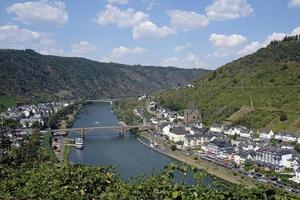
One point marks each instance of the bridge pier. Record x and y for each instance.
(82, 134)
(122, 132)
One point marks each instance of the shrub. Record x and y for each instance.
(283, 116)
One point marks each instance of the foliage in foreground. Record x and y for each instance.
(48, 181)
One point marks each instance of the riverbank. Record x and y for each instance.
(65, 120)
(211, 168)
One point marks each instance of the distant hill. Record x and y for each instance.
(25, 73)
(256, 90)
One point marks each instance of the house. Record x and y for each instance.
(273, 158)
(191, 141)
(244, 132)
(217, 128)
(27, 123)
(296, 178)
(285, 137)
(152, 106)
(243, 156)
(139, 112)
(266, 134)
(191, 115)
(218, 148)
(229, 131)
(177, 133)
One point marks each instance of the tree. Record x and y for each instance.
(37, 125)
(297, 147)
(283, 116)
(173, 147)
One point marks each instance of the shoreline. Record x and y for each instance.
(211, 168)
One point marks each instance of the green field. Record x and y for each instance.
(6, 102)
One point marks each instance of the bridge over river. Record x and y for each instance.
(120, 129)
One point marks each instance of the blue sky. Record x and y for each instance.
(188, 34)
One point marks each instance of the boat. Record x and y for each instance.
(79, 143)
(96, 122)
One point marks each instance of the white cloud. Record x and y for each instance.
(253, 46)
(274, 36)
(39, 11)
(182, 47)
(249, 48)
(190, 61)
(227, 41)
(186, 21)
(148, 30)
(221, 10)
(11, 36)
(294, 3)
(118, 1)
(296, 31)
(82, 48)
(122, 18)
(121, 52)
(218, 54)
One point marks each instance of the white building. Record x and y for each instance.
(285, 137)
(296, 178)
(266, 134)
(274, 158)
(217, 128)
(177, 134)
(230, 131)
(244, 132)
(27, 123)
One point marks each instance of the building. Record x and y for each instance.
(266, 134)
(285, 137)
(296, 178)
(175, 133)
(218, 148)
(217, 128)
(28, 122)
(244, 132)
(273, 158)
(243, 156)
(192, 115)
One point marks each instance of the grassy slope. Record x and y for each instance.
(6, 102)
(268, 79)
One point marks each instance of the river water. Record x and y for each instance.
(128, 156)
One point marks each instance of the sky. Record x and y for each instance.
(181, 33)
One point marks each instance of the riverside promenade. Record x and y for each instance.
(211, 168)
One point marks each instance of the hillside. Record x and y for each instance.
(254, 90)
(35, 76)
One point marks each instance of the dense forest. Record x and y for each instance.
(35, 76)
(256, 90)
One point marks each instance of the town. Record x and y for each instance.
(267, 156)
(263, 155)
(19, 122)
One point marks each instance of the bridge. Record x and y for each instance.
(120, 128)
(101, 100)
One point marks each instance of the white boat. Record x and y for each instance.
(79, 143)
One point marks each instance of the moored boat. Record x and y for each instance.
(79, 143)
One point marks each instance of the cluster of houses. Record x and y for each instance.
(234, 146)
(29, 116)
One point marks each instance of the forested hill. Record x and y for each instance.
(264, 87)
(29, 74)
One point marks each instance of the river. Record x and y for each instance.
(128, 156)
